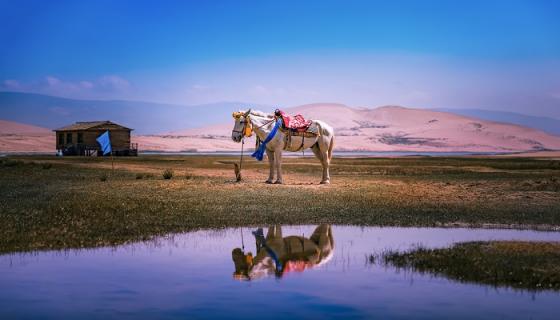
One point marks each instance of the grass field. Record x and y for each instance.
(49, 203)
(517, 264)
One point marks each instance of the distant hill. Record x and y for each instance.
(549, 125)
(389, 128)
(162, 127)
(18, 137)
(144, 117)
(157, 118)
(10, 127)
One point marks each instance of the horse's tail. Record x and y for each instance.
(331, 146)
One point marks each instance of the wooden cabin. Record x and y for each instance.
(79, 139)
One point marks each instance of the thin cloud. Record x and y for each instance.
(108, 86)
(86, 84)
(422, 81)
(11, 84)
(200, 87)
(113, 82)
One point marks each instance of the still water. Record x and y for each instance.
(193, 275)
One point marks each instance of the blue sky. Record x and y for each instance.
(502, 55)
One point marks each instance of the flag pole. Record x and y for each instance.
(112, 160)
(104, 141)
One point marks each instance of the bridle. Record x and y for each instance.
(247, 128)
(246, 131)
(245, 121)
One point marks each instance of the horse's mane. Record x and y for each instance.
(259, 113)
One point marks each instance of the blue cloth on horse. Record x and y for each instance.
(259, 153)
(259, 237)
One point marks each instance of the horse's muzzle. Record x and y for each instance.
(236, 137)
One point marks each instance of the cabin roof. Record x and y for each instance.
(87, 125)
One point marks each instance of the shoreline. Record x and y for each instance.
(339, 154)
(163, 236)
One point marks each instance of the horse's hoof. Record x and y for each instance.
(268, 182)
(326, 182)
(278, 182)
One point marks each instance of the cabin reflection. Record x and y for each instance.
(278, 255)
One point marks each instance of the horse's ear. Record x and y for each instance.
(248, 112)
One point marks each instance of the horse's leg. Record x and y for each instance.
(322, 236)
(270, 155)
(319, 155)
(324, 151)
(316, 151)
(278, 164)
(274, 232)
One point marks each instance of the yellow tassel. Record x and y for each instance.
(237, 114)
(249, 259)
(249, 129)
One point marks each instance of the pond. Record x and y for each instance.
(193, 275)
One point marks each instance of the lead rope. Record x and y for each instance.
(241, 159)
(242, 242)
(243, 144)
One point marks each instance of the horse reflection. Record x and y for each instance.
(278, 255)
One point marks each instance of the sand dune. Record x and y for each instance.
(10, 127)
(18, 137)
(388, 128)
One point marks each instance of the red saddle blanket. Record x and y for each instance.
(296, 122)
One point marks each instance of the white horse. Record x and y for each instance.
(262, 124)
(277, 255)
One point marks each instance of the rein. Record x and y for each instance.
(269, 121)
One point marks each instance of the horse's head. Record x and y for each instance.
(242, 127)
(242, 262)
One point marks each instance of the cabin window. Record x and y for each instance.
(61, 138)
(80, 137)
(69, 137)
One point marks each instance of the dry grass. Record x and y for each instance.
(70, 206)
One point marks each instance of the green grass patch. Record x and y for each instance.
(517, 264)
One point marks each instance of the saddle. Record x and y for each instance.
(296, 123)
(296, 126)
